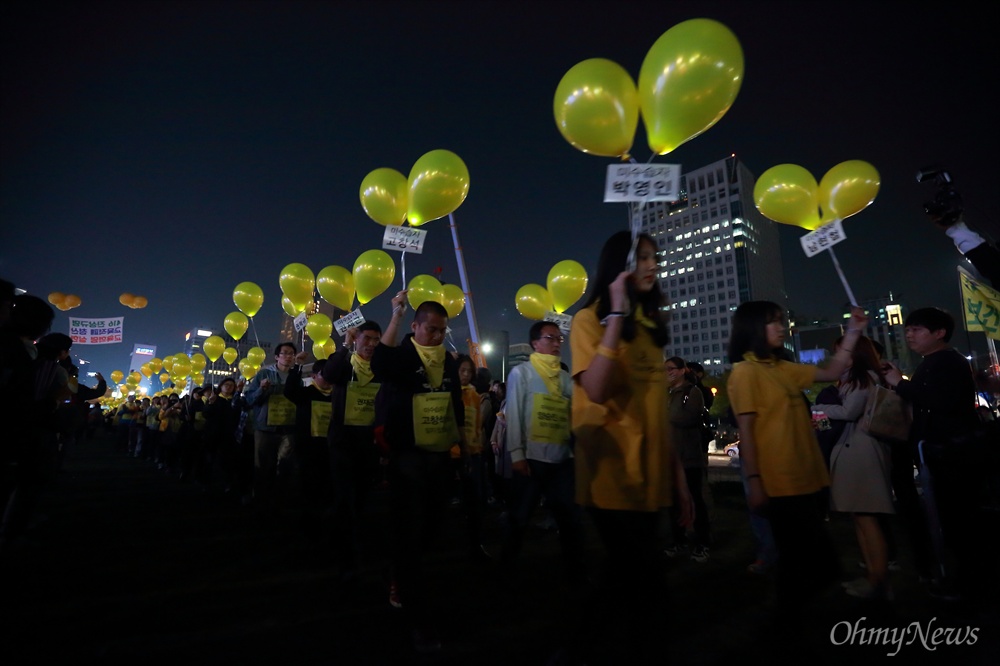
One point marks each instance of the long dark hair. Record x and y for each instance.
(750, 330)
(614, 256)
(864, 359)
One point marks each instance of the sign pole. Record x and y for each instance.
(469, 309)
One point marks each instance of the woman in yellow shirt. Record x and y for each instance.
(781, 459)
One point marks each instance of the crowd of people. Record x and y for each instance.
(615, 440)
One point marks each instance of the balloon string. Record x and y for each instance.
(451, 341)
(843, 280)
(402, 264)
(254, 327)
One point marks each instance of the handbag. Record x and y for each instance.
(887, 416)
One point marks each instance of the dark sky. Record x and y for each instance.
(175, 149)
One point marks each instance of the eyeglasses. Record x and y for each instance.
(560, 338)
(286, 353)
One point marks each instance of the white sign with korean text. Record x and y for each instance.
(642, 182)
(349, 320)
(562, 320)
(300, 321)
(823, 238)
(404, 239)
(96, 331)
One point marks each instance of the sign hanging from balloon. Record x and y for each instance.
(789, 194)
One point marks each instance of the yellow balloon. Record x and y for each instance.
(847, 189)
(135, 376)
(214, 347)
(291, 309)
(688, 80)
(336, 285)
(453, 299)
(139, 302)
(256, 356)
(323, 350)
(198, 378)
(168, 363)
(384, 195)
(247, 369)
(156, 364)
(198, 362)
(566, 283)
(164, 378)
(146, 370)
(297, 282)
(248, 297)
(423, 288)
(597, 108)
(787, 193)
(319, 327)
(71, 301)
(56, 298)
(236, 324)
(374, 271)
(126, 299)
(230, 355)
(116, 376)
(533, 301)
(181, 366)
(438, 184)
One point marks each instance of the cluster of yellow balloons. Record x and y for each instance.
(133, 301)
(688, 80)
(565, 285)
(428, 288)
(437, 185)
(64, 301)
(789, 194)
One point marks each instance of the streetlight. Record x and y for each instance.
(487, 347)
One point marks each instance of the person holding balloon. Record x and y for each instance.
(626, 469)
(274, 428)
(351, 439)
(421, 410)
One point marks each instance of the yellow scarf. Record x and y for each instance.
(549, 368)
(433, 360)
(640, 316)
(362, 369)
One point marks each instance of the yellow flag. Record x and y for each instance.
(981, 305)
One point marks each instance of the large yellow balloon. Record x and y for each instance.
(297, 282)
(198, 378)
(168, 363)
(787, 193)
(139, 302)
(214, 346)
(230, 355)
(71, 301)
(156, 364)
(116, 376)
(438, 184)
(56, 298)
(135, 377)
(198, 362)
(847, 189)
(374, 271)
(533, 301)
(146, 370)
(688, 80)
(164, 377)
(248, 297)
(256, 356)
(384, 195)
(336, 285)
(566, 283)
(247, 369)
(323, 350)
(181, 366)
(126, 299)
(453, 299)
(319, 327)
(597, 108)
(423, 288)
(236, 324)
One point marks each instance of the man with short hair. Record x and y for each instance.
(274, 427)
(942, 393)
(422, 412)
(539, 443)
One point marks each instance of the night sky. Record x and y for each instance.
(175, 149)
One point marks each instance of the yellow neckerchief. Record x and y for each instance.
(640, 316)
(326, 391)
(548, 367)
(433, 360)
(362, 369)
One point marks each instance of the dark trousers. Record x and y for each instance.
(807, 557)
(696, 484)
(419, 483)
(909, 508)
(353, 468)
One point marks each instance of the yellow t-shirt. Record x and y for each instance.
(788, 456)
(624, 456)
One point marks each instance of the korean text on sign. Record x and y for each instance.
(103, 331)
(642, 182)
(823, 238)
(350, 320)
(404, 239)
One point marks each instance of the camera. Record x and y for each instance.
(946, 206)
